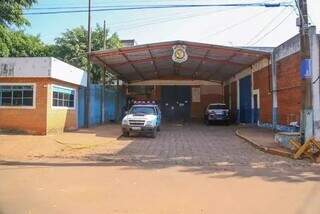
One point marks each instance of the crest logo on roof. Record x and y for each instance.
(179, 53)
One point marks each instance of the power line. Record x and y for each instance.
(63, 7)
(173, 15)
(145, 7)
(235, 24)
(170, 19)
(280, 23)
(265, 27)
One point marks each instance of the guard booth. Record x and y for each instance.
(184, 77)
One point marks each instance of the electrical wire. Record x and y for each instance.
(266, 26)
(170, 19)
(273, 29)
(127, 8)
(229, 27)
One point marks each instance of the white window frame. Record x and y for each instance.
(255, 92)
(64, 107)
(34, 86)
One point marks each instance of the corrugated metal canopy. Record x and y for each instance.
(154, 61)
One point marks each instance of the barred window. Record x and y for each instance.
(63, 97)
(16, 95)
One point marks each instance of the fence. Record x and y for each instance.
(112, 108)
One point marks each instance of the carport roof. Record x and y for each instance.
(154, 61)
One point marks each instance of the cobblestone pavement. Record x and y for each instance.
(186, 169)
(200, 148)
(197, 144)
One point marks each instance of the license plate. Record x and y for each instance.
(136, 128)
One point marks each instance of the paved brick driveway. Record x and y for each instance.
(195, 144)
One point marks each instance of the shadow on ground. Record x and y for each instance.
(214, 151)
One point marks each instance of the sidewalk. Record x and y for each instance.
(75, 144)
(262, 139)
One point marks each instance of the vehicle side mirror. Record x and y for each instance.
(126, 112)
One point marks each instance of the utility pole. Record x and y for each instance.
(87, 100)
(103, 76)
(306, 74)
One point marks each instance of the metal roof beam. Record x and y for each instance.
(166, 46)
(154, 63)
(110, 68)
(133, 66)
(200, 64)
(160, 58)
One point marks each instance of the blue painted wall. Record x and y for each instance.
(81, 106)
(95, 105)
(245, 100)
(110, 105)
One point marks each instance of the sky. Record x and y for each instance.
(231, 26)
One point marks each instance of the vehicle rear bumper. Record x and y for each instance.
(213, 117)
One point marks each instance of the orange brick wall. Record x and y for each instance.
(262, 81)
(289, 89)
(22, 119)
(42, 119)
(226, 95)
(197, 109)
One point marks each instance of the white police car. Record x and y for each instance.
(142, 118)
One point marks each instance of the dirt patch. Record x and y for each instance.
(67, 145)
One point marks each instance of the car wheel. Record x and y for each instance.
(154, 133)
(125, 134)
(206, 121)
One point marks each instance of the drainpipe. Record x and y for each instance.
(274, 90)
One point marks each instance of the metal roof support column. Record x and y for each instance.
(117, 101)
(104, 71)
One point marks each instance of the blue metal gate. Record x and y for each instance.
(81, 106)
(245, 100)
(110, 105)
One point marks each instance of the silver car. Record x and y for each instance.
(217, 112)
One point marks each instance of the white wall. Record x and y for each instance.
(27, 66)
(42, 67)
(68, 73)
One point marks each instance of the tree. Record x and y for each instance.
(71, 47)
(15, 43)
(18, 43)
(11, 12)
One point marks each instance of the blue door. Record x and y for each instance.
(245, 100)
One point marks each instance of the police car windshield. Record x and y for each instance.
(142, 110)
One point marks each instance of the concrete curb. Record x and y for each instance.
(270, 150)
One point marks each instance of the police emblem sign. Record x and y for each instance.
(179, 53)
